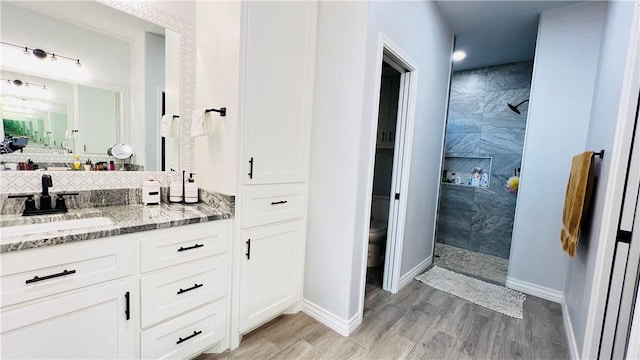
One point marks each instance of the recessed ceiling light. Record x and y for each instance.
(459, 55)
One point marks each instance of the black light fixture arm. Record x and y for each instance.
(522, 102)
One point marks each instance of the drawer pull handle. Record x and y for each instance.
(251, 168)
(127, 310)
(195, 333)
(190, 247)
(37, 278)
(195, 286)
(278, 202)
(248, 242)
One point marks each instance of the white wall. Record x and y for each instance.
(596, 241)
(217, 85)
(343, 141)
(335, 147)
(420, 31)
(562, 87)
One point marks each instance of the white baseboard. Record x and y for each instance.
(341, 326)
(417, 270)
(535, 290)
(568, 330)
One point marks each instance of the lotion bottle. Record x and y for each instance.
(76, 162)
(191, 190)
(175, 190)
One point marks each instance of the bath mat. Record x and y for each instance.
(494, 297)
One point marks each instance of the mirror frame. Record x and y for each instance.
(186, 28)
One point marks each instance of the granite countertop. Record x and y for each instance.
(126, 219)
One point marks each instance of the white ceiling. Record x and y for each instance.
(495, 32)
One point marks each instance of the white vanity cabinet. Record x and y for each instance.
(184, 287)
(68, 301)
(276, 101)
(152, 294)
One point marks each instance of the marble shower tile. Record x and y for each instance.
(503, 121)
(462, 143)
(464, 123)
(455, 198)
(504, 164)
(472, 103)
(496, 101)
(491, 234)
(509, 77)
(490, 204)
(465, 82)
(501, 142)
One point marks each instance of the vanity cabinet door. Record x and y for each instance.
(278, 90)
(270, 273)
(86, 325)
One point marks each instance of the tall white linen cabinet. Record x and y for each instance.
(276, 96)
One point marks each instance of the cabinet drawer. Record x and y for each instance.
(33, 274)
(186, 335)
(265, 204)
(182, 244)
(180, 289)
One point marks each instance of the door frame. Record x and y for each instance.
(387, 49)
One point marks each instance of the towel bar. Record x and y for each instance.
(222, 111)
(599, 154)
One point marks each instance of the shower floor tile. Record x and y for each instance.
(472, 263)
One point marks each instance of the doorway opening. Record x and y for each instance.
(388, 202)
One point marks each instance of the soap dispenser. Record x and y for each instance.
(175, 190)
(191, 190)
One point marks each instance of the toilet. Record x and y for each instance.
(378, 230)
(377, 239)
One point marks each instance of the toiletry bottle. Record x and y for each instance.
(191, 190)
(470, 180)
(484, 179)
(175, 190)
(453, 177)
(76, 162)
(112, 166)
(458, 180)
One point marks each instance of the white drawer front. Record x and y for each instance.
(265, 204)
(186, 335)
(60, 268)
(180, 289)
(184, 243)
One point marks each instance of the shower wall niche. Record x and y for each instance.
(483, 130)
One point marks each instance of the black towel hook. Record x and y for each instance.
(599, 154)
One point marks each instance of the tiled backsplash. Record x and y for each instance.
(31, 181)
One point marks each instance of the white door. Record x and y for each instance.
(278, 90)
(96, 323)
(270, 272)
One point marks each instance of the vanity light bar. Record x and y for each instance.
(18, 82)
(41, 54)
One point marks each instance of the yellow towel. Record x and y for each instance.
(577, 200)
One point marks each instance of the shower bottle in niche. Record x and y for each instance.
(484, 179)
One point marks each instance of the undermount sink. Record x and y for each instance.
(55, 226)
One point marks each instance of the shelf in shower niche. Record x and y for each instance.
(463, 167)
(464, 185)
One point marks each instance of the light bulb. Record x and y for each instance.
(459, 55)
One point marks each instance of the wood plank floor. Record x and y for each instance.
(419, 322)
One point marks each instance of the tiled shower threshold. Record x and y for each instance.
(472, 263)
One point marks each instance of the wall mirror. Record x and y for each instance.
(83, 76)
